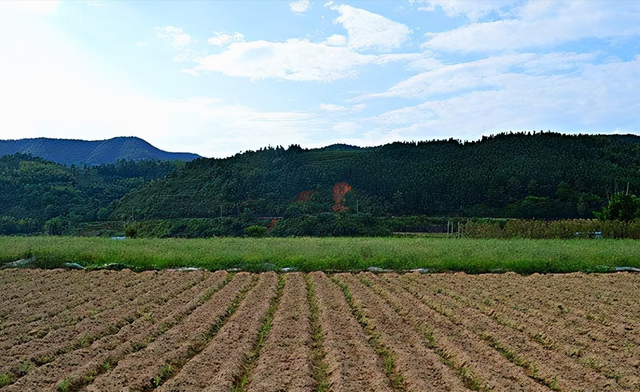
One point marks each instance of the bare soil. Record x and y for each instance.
(201, 331)
(285, 363)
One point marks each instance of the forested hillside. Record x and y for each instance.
(35, 192)
(94, 152)
(540, 175)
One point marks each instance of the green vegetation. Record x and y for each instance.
(7, 379)
(341, 254)
(561, 229)
(37, 195)
(621, 207)
(319, 225)
(165, 373)
(255, 231)
(334, 191)
(543, 176)
(365, 225)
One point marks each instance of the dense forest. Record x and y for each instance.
(336, 190)
(35, 193)
(525, 175)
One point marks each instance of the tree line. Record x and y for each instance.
(36, 194)
(542, 175)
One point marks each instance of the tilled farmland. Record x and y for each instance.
(202, 331)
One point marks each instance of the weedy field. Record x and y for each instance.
(218, 331)
(308, 254)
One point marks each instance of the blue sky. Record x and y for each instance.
(221, 77)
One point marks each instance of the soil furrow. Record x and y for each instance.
(286, 360)
(83, 333)
(134, 337)
(591, 346)
(49, 375)
(394, 375)
(57, 306)
(317, 337)
(547, 366)
(30, 282)
(138, 371)
(352, 364)
(241, 380)
(84, 308)
(66, 331)
(574, 298)
(216, 366)
(420, 366)
(52, 302)
(462, 345)
(465, 373)
(44, 343)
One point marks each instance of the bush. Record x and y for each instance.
(131, 231)
(56, 226)
(255, 231)
(622, 207)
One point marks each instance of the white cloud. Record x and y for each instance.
(426, 62)
(186, 55)
(590, 98)
(472, 10)
(457, 77)
(222, 39)
(295, 59)
(490, 73)
(180, 41)
(543, 23)
(300, 6)
(303, 60)
(338, 108)
(174, 36)
(367, 30)
(336, 40)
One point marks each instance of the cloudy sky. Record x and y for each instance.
(221, 77)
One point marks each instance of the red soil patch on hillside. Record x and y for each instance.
(340, 190)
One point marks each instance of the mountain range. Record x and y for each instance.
(91, 152)
(541, 175)
(511, 175)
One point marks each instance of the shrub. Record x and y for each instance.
(622, 206)
(255, 231)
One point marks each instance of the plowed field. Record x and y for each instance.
(201, 331)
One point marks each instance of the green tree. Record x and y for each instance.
(56, 226)
(255, 231)
(622, 206)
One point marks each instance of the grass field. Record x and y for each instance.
(329, 254)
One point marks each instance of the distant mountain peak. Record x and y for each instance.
(91, 152)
